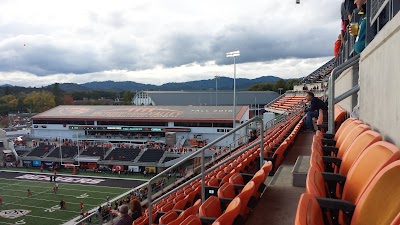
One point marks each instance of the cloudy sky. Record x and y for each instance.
(159, 41)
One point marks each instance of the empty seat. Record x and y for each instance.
(379, 203)
(231, 212)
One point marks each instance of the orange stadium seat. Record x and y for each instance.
(382, 192)
(168, 217)
(191, 220)
(231, 212)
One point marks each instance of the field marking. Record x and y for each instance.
(50, 218)
(61, 187)
(58, 194)
(26, 197)
(87, 185)
(71, 175)
(48, 200)
(38, 207)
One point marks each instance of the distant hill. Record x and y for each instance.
(224, 83)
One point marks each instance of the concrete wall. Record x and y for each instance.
(347, 80)
(380, 81)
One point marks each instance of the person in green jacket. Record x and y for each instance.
(359, 44)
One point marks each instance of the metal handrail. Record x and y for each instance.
(331, 91)
(149, 194)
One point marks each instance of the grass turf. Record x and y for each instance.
(44, 204)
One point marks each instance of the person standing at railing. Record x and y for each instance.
(336, 49)
(359, 29)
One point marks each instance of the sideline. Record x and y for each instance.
(70, 175)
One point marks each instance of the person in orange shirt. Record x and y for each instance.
(1, 200)
(29, 192)
(54, 190)
(81, 205)
(338, 44)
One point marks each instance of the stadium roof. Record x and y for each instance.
(143, 113)
(186, 98)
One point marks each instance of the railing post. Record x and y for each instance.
(331, 97)
(202, 178)
(261, 144)
(150, 209)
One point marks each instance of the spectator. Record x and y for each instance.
(313, 111)
(136, 209)
(123, 217)
(359, 45)
(338, 44)
(344, 17)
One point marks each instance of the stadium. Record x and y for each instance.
(265, 169)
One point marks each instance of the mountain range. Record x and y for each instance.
(223, 83)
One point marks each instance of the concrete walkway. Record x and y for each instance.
(278, 205)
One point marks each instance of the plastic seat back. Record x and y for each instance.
(231, 212)
(346, 131)
(236, 178)
(191, 220)
(359, 145)
(245, 196)
(349, 139)
(315, 183)
(213, 182)
(258, 178)
(211, 207)
(226, 178)
(167, 207)
(370, 162)
(226, 191)
(380, 202)
(168, 217)
(181, 204)
(308, 211)
(267, 167)
(396, 220)
(192, 210)
(317, 162)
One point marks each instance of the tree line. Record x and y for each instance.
(37, 100)
(275, 86)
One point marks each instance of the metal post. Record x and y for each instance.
(216, 90)
(149, 202)
(234, 101)
(331, 92)
(261, 144)
(203, 192)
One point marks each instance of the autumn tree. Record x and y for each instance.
(40, 101)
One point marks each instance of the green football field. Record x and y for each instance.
(44, 204)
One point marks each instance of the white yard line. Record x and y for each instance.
(49, 200)
(60, 187)
(49, 218)
(26, 197)
(38, 207)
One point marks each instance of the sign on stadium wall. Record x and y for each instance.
(13, 213)
(76, 180)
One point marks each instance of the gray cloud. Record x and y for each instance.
(132, 39)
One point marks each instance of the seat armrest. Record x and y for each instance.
(336, 204)
(207, 220)
(334, 177)
(247, 177)
(330, 142)
(329, 149)
(329, 136)
(330, 159)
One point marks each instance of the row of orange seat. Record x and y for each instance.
(353, 179)
(231, 192)
(287, 102)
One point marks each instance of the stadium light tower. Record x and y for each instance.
(234, 55)
(216, 89)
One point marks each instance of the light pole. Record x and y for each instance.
(234, 55)
(216, 89)
(280, 91)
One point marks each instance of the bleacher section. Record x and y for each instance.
(67, 152)
(321, 73)
(286, 103)
(362, 167)
(151, 155)
(233, 183)
(40, 150)
(166, 159)
(123, 154)
(94, 151)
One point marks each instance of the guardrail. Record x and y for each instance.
(203, 171)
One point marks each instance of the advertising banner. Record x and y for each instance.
(36, 163)
(134, 169)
